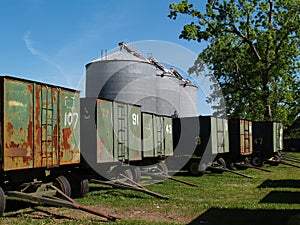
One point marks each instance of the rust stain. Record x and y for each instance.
(30, 88)
(15, 151)
(30, 134)
(101, 149)
(9, 128)
(55, 136)
(54, 96)
(66, 135)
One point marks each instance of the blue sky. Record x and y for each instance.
(52, 40)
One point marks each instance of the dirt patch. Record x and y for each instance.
(60, 215)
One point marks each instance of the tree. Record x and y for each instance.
(253, 52)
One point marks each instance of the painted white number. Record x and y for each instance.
(169, 129)
(71, 118)
(258, 141)
(135, 119)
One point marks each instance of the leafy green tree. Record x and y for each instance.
(253, 52)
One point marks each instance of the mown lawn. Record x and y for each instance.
(268, 198)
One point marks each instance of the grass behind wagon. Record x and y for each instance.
(268, 198)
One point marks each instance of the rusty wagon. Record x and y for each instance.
(39, 141)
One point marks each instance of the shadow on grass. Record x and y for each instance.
(217, 216)
(117, 192)
(282, 197)
(15, 208)
(18, 208)
(280, 184)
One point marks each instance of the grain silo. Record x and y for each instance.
(129, 77)
(124, 77)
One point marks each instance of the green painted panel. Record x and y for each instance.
(18, 125)
(69, 127)
(104, 131)
(219, 135)
(148, 137)
(134, 133)
(277, 136)
(120, 125)
(158, 136)
(168, 136)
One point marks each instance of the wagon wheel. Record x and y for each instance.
(194, 169)
(257, 161)
(275, 160)
(121, 173)
(63, 184)
(79, 186)
(127, 173)
(161, 166)
(136, 172)
(2, 201)
(221, 162)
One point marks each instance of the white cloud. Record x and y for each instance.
(44, 57)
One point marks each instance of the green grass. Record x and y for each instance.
(268, 198)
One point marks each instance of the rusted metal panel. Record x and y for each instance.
(240, 137)
(36, 119)
(18, 125)
(104, 131)
(69, 132)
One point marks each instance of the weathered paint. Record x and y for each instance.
(157, 135)
(134, 133)
(168, 136)
(31, 118)
(104, 131)
(148, 135)
(218, 134)
(127, 131)
(240, 137)
(69, 123)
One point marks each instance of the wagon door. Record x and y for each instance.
(17, 125)
(69, 127)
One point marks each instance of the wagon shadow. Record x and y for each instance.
(116, 192)
(218, 216)
(17, 208)
(280, 184)
(282, 197)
